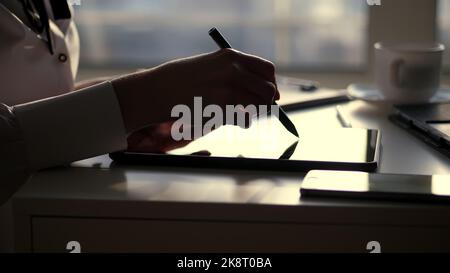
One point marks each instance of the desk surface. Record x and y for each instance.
(98, 179)
(143, 208)
(401, 152)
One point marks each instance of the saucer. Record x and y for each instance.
(369, 93)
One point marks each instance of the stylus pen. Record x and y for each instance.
(284, 119)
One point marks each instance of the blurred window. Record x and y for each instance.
(444, 29)
(310, 34)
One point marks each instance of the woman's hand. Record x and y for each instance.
(157, 139)
(225, 77)
(154, 139)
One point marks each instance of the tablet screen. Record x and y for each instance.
(268, 139)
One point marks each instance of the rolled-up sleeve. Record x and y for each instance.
(59, 130)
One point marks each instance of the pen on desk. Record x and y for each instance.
(303, 85)
(284, 119)
(343, 117)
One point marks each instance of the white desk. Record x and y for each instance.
(119, 208)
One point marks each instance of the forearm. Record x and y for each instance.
(71, 127)
(142, 101)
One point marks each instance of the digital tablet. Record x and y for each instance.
(266, 145)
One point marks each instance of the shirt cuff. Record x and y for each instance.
(71, 127)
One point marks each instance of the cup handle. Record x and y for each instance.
(396, 67)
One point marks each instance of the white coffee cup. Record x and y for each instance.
(408, 73)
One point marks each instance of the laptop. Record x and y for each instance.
(429, 122)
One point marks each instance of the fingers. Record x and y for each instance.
(257, 65)
(202, 153)
(259, 91)
(254, 69)
(154, 139)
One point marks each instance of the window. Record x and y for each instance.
(293, 33)
(444, 29)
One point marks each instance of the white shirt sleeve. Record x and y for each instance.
(57, 131)
(71, 127)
